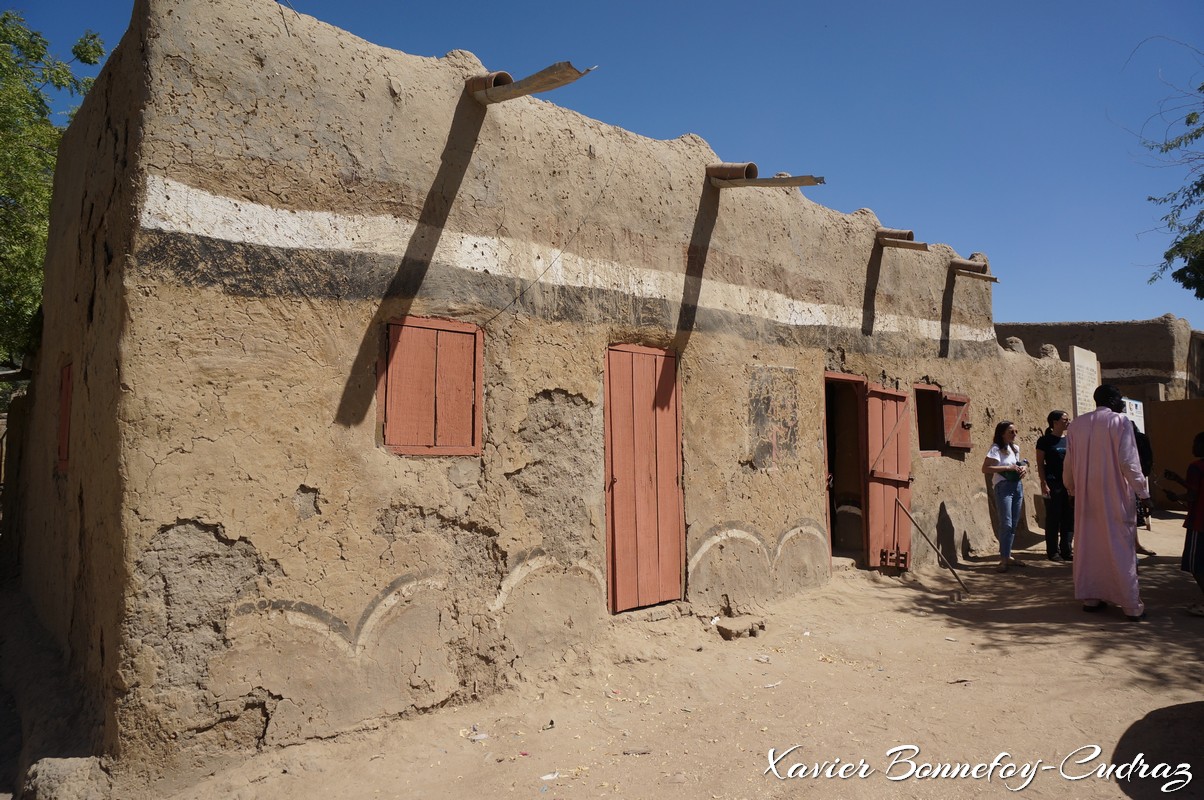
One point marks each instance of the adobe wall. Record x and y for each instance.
(1147, 359)
(68, 521)
(279, 574)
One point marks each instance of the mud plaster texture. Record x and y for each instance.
(247, 567)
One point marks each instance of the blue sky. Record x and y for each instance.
(1009, 129)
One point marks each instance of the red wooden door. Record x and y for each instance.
(889, 447)
(645, 525)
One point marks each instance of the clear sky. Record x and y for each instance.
(1011, 129)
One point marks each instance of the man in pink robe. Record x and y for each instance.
(1103, 473)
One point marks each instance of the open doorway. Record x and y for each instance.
(844, 415)
(867, 440)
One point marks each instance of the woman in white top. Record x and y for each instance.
(1006, 468)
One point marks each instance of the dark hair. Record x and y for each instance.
(1053, 417)
(1197, 445)
(1109, 396)
(1001, 429)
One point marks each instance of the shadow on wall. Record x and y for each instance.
(947, 312)
(696, 260)
(946, 535)
(872, 271)
(453, 165)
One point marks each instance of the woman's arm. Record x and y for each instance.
(991, 465)
(1041, 471)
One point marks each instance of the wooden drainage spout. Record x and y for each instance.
(497, 87)
(733, 171)
(972, 269)
(895, 237)
(483, 83)
(729, 175)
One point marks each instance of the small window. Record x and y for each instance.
(64, 443)
(430, 389)
(942, 420)
(930, 421)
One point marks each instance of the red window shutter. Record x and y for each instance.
(64, 443)
(431, 389)
(410, 390)
(956, 411)
(454, 389)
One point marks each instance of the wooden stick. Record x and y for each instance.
(939, 555)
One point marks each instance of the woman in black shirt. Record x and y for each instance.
(1059, 506)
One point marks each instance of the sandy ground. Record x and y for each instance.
(1013, 672)
(849, 671)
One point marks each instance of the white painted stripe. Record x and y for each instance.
(178, 208)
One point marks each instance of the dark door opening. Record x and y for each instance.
(844, 414)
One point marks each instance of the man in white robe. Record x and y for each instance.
(1103, 474)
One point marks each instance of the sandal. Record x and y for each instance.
(1001, 568)
(1015, 562)
(1197, 610)
(1145, 551)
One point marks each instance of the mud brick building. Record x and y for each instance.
(357, 396)
(1150, 360)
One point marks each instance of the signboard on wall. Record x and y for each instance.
(1135, 410)
(1084, 376)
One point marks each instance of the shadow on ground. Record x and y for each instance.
(1161, 747)
(1035, 606)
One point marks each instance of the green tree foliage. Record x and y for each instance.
(1183, 145)
(29, 142)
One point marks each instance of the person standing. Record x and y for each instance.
(1145, 454)
(1193, 542)
(1103, 473)
(1006, 468)
(1059, 507)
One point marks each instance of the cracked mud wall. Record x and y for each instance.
(282, 575)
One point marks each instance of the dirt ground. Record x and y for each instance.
(866, 669)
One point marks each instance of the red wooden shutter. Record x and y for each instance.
(454, 389)
(643, 388)
(431, 384)
(410, 394)
(624, 591)
(889, 448)
(670, 514)
(956, 411)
